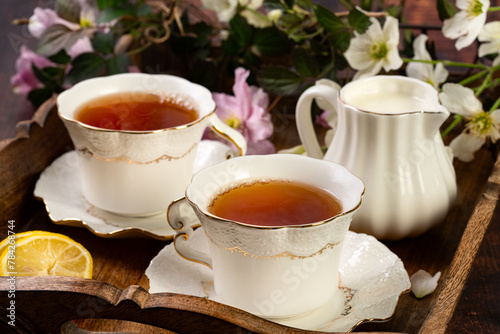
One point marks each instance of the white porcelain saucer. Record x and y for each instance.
(372, 280)
(59, 187)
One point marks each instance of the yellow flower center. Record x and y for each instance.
(378, 51)
(475, 8)
(85, 23)
(234, 122)
(481, 124)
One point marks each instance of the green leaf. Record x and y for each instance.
(341, 63)
(394, 11)
(85, 66)
(278, 80)
(206, 74)
(251, 59)
(277, 4)
(201, 54)
(328, 20)
(39, 75)
(118, 64)
(366, 5)
(230, 46)
(101, 4)
(305, 65)
(203, 34)
(341, 40)
(358, 20)
(144, 10)
(39, 95)
(291, 20)
(61, 57)
(103, 43)
(48, 75)
(109, 14)
(317, 47)
(241, 31)
(271, 42)
(445, 9)
(327, 63)
(57, 37)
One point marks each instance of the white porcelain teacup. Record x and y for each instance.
(139, 173)
(273, 272)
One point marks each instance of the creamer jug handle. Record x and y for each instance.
(328, 96)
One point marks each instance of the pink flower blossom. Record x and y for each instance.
(43, 18)
(246, 112)
(133, 69)
(82, 45)
(25, 80)
(323, 119)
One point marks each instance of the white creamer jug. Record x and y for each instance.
(387, 134)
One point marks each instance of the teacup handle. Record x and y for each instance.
(182, 219)
(303, 117)
(228, 133)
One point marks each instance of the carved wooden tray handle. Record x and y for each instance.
(48, 304)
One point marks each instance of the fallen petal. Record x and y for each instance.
(422, 283)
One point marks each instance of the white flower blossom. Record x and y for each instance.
(490, 38)
(299, 149)
(274, 15)
(422, 71)
(423, 284)
(252, 4)
(256, 18)
(480, 124)
(375, 49)
(464, 146)
(466, 25)
(226, 9)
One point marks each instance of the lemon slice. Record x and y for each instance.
(39, 253)
(9, 240)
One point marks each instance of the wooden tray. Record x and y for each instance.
(119, 286)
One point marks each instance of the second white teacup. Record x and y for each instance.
(270, 271)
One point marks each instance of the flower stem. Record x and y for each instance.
(495, 105)
(446, 63)
(495, 68)
(496, 82)
(494, 9)
(486, 83)
(140, 49)
(473, 78)
(458, 119)
(298, 38)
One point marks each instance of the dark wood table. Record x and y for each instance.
(478, 310)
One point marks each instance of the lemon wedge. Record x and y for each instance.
(40, 253)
